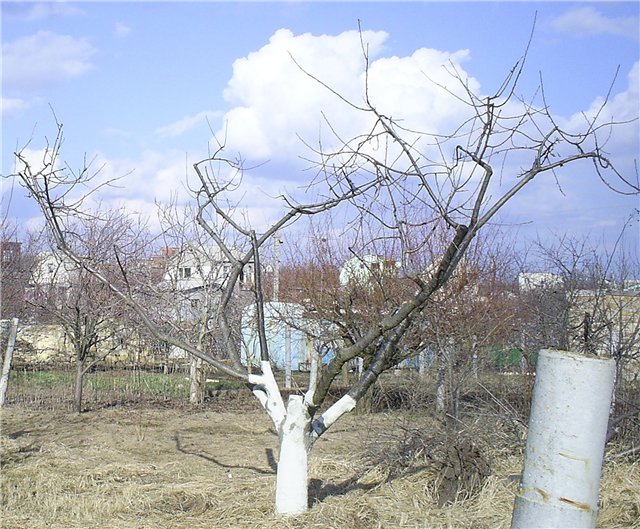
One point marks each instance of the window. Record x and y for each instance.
(195, 303)
(184, 272)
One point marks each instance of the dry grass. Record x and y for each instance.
(144, 468)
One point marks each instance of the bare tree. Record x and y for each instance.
(94, 321)
(16, 260)
(599, 312)
(469, 318)
(397, 179)
(7, 353)
(190, 292)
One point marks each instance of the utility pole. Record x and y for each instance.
(276, 266)
(287, 357)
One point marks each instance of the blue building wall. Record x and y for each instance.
(281, 319)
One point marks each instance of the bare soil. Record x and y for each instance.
(161, 467)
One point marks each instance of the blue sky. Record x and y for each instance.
(140, 85)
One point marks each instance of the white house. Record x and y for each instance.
(197, 274)
(362, 269)
(52, 274)
(53, 269)
(528, 281)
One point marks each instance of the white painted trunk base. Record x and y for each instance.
(297, 435)
(292, 476)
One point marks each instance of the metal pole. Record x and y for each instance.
(276, 269)
(287, 357)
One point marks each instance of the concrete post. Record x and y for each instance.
(565, 444)
(8, 356)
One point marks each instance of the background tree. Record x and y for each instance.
(348, 290)
(390, 177)
(16, 260)
(95, 322)
(597, 310)
(468, 320)
(190, 292)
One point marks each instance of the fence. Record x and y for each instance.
(43, 377)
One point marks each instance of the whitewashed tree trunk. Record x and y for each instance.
(292, 476)
(359, 366)
(293, 425)
(474, 357)
(440, 388)
(196, 381)
(422, 363)
(8, 356)
(297, 434)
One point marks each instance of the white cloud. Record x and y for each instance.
(36, 160)
(273, 99)
(153, 176)
(417, 89)
(165, 177)
(35, 11)
(45, 58)
(588, 21)
(185, 124)
(137, 184)
(121, 30)
(276, 104)
(622, 107)
(13, 107)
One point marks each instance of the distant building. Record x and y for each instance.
(196, 275)
(53, 274)
(607, 323)
(631, 286)
(361, 270)
(10, 252)
(528, 281)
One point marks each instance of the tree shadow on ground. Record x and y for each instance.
(319, 490)
(18, 434)
(269, 454)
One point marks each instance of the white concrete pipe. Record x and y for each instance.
(565, 444)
